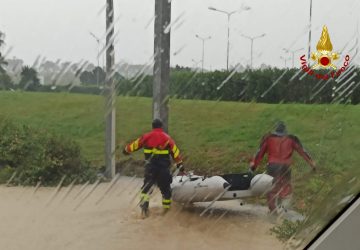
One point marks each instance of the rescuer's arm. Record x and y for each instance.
(175, 154)
(301, 150)
(133, 146)
(259, 154)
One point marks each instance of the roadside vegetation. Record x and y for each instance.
(30, 155)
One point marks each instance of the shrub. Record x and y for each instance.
(286, 229)
(5, 82)
(41, 156)
(5, 173)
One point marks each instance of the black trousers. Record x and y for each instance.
(158, 172)
(281, 183)
(279, 170)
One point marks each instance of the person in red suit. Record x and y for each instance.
(279, 146)
(158, 148)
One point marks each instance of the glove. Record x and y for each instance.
(313, 166)
(125, 152)
(180, 166)
(250, 171)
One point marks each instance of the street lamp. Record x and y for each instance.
(285, 59)
(203, 39)
(196, 63)
(309, 45)
(228, 28)
(252, 42)
(292, 53)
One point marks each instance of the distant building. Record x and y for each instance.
(238, 68)
(41, 79)
(14, 65)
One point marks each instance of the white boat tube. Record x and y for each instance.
(193, 188)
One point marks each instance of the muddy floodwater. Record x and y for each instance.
(85, 218)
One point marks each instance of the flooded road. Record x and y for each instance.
(96, 217)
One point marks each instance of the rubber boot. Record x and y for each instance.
(144, 209)
(285, 203)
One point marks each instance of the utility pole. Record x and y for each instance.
(252, 42)
(309, 45)
(161, 61)
(110, 95)
(203, 39)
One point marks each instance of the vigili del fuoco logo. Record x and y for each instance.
(324, 58)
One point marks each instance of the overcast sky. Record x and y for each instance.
(60, 29)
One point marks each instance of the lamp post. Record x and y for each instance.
(285, 60)
(252, 42)
(228, 28)
(309, 45)
(196, 63)
(292, 53)
(203, 39)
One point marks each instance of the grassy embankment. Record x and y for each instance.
(215, 137)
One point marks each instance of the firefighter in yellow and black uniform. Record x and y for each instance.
(158, 147)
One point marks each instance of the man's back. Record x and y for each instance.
(280, 149)
(157, 145)
(157, 138)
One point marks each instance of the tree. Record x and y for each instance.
(2, 59)
(95, 77)
(2, 63)
(181, 68)
(99, 75)
(29, 79)
(1, 39)
(87, 78)
(5, 82)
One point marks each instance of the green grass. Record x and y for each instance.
(222, 135)
(215, 137)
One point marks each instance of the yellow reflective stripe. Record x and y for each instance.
(176, 153)
(164, 201)
(175, 148)
(156, 151)
(136, 144)
(144, 197)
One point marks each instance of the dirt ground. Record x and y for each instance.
(80, 219)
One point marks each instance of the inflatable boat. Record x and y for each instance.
(192, 188)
